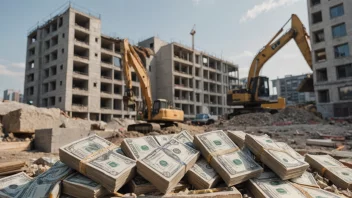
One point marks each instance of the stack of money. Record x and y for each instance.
(99, 160)
(307, 179)
(202, 175)
(138, 148)
(165, 166)
(13, 185)
(268, 187)
(46, 184)
(290, 150)
(311, 192)
(237, 137)
(163, 139)
(281, 161)
(185, 138)
(233, 165)
(78, 185)
(332, 169)
(138, 185)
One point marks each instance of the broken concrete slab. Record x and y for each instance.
(27, 120)
(8, 106)
(320, 142)
(15, 146)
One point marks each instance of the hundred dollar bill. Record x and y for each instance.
(202, 175)
(273, 188)
(233, 165)
(13, 185)
(165, 166)
(78, 185)
(163, 139)
(99, 160)
(185, 138)
(285, 162)
(306, 179)
(332, 169)
(138, 148)
(44, 183)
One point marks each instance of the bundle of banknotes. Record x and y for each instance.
(237, 137)
(332, 169)
(99, 160)
(202, 175)
(138, 148)
(233, 165)
(283, 161)
(165, 166)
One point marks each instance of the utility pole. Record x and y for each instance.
(193, 32)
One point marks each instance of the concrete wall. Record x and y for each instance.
(333, 83)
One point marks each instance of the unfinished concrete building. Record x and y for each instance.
(331, 39)
(191, 80)
(71, 65)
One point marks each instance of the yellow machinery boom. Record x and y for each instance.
(256, 93)
(159, 112)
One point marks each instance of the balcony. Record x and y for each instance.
(81, 38)
(80, 86)
(80, 69)
(79, 103)
(82, 22)
(81, 53)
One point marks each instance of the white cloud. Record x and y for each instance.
(18, 65)
(6, 72)
(265, 6)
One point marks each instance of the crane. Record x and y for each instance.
(157, 112)
(256, 94)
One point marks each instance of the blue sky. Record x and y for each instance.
(232, 29)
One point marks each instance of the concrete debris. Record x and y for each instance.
(46, 161)
(27, 120)
(320, 142)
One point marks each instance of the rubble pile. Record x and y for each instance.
(289, 115)
(206, 165)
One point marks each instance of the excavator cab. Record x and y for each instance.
(259, 88)
(159, 104)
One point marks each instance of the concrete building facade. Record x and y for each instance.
(71, 65)
(191, 80)
(331, 40)
(12, 95)
(287, 88)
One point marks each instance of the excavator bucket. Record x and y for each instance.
(144, 127)
(307, 85)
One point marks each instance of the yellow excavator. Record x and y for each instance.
(255, 97)
(155, 113)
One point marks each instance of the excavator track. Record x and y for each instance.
(144, 127)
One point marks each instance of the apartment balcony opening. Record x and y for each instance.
(81, 52)
(219, 100)
(219, 111)
(191, 109)
(212, 76)
(320, 55)
(322, 75)
(205, 61)
(177, 105)
(79, 115)
(197, 71)
(117, 48)
(318, 36)
(206, 99)
(134, 77)
(197, 59)
(212, 63)
(177, 94)
(105, 103)
(47, 29)
(47, 44)
(185, 95)
(177, 66)
(30, 91)
(79, 84)
(117, 104)
(197, 97)
(32, 38)
(213, 100)
(106, 117)
(317, 17)
(106, 44)
(185, 109)
(184, 82)
(218, 77)
(213, 111)
(177, 81)
(106, 73)
(323, 96)
(205, 86)
(46, 87)
(117, 75)
(80, 68)
(117, 62)
(94, 116)
(118, 89)
(183, 54)
(54, 40)
(190, 83)
(53, 55)
(52, 101)
(218, 66)
(81, 37)
(105, 88)
(31, 52)
(191, 96)
(52, 86)
(53, 70)
(218, 88)
(136, 91)
(198, 109)
(205, 74)
(105, 58)
(82, 21)
(80, 101)
(30, 77)
(197, 84)
(314, 2)
(186, 69)
(54, 26)
(30, 64)
(45, 102)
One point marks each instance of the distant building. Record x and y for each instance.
(243, 82)
(330, 24)
(12, 95)
(287, 88)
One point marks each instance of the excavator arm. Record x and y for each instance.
(130, 58)
(297, 32)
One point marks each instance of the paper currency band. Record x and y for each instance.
(305, 193)
(88, 158)
(324, 169)
(210, 157)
